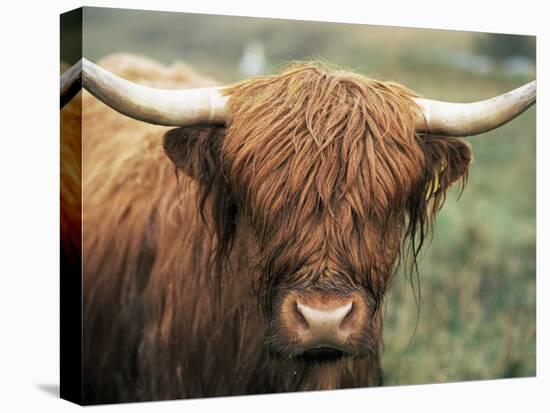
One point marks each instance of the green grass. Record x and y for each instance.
(477, 314)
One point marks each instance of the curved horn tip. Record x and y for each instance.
(468, 119)
(70, 83)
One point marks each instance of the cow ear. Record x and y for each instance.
(447, 160)
(195, 150)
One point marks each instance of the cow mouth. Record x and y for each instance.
(321, 355)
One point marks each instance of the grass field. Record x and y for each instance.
(476, 317)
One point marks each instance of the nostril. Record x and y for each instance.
(299, 317)
(347, 322)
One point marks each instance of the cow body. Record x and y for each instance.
(170, 310)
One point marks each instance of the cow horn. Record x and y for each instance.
(71, 82)
(467, 119)
(183, 107)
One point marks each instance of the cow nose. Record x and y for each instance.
(323, 322)
(323, 325)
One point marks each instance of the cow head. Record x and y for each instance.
(320, 178)
(324, 173)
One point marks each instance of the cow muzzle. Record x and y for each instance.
(321, 325)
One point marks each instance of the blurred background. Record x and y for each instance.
(476, 316)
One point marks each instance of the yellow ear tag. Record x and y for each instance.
(433, 186)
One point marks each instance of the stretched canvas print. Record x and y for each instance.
(254, 205)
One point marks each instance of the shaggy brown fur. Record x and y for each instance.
(317, 181)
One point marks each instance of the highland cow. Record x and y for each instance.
(252, 255)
